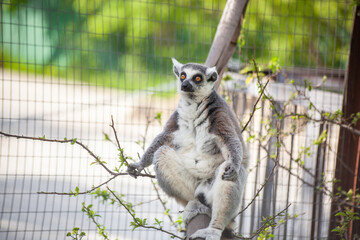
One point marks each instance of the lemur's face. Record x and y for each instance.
(194, 79)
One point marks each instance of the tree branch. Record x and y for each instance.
(75, 141)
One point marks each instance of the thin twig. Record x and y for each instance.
(264, 93)
(136, 221)
(100, 227)
(254, 107)
(163, 203)
(117, 142)
(79, 193)
(294, 160)
(264, 225)
(260, 189)
(272, 170)
(74, 141)
(325, 119)
(263, 147)
(142, 203)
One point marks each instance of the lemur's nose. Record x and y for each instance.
(187, 87)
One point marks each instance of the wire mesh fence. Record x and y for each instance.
(67, 67)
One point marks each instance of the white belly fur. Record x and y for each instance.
(188, 144)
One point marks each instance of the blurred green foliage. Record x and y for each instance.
(123, 44)
(300, 33)
(128, 43)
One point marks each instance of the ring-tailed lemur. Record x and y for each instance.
(200, 157)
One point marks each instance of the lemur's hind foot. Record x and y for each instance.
(207, 234)
(194, 208)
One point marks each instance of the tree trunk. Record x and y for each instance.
(347, 165)
(227, 33)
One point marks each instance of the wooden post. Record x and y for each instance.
(222, 48)
(199, 222)
(227, 33)
(347, 165)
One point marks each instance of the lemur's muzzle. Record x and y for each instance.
(187, 87)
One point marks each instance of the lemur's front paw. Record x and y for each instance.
(134, 169)
(230, 173)
(207, 234)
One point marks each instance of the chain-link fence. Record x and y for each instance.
(68, 67)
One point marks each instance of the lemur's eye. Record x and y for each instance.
(198, 78)
(182, 76)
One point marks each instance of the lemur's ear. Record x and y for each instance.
(177, 67)
(211, 74)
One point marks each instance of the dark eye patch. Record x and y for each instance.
(182, 76)
(197, 78)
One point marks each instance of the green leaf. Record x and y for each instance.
(158, 117)
(227, 78)
(274, 64)
(311, 105)
(158, 222)
(350, 194)
(340, 214)
(308, 84)
(250, 138)
(134, 225)
(337, 229)
(106, 136)
(322, 138)
(248, 80)
(245, 70)
(324, 78)
(76, 192)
